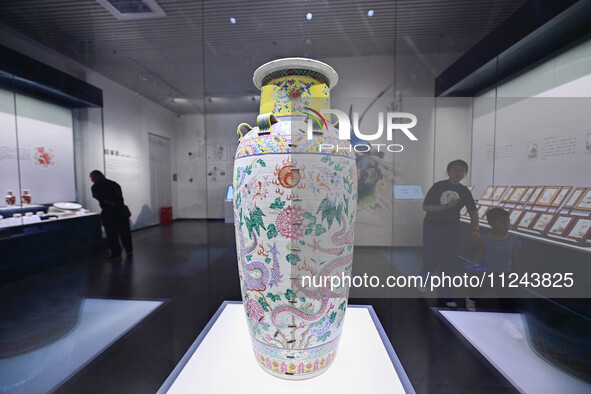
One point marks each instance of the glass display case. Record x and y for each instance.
(529, 154)
(49, 143)
(51, 137)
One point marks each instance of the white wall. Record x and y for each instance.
(546, 107)
(9, 177)
(221, 133)
(127, 120)
(453, 136)
(48, 127)
(203, 176)
(191, 181)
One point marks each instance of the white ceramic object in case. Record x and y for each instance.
(67, 205)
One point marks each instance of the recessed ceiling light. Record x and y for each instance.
(309, 16)
(370, 13)
(233, 21)
(133, 9)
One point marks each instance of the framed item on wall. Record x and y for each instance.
(482, 210)
(584, 202)
(534, 196)
(471, 188)
(580, 230)
(498, 193)
(508, 194)
(527, 194)
(541, 222)
(487, 193)
(560, 196)
(517, 194)
(514, 216)
(217, 172)
(572, 201)
(527, 219)
(548, 195)
(560, 225)
(217, 152)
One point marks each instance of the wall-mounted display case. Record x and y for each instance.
(51, 137)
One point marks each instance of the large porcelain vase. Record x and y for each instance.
(295, 196)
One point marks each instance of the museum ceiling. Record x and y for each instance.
(196, 51)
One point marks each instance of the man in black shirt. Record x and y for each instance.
(114, 215)
(441, 226)
(445, 200)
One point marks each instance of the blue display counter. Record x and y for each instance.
(37, 247)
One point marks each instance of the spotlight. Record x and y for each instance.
(309, 16)
(233, 21)
(370, 13)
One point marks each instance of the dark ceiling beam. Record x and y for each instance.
(29, 76)
(532, 33)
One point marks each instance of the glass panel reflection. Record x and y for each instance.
(48, 330)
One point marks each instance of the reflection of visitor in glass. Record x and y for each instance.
(441, 226)
(114, 213)
(497, 252)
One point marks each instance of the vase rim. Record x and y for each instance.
(295, 63)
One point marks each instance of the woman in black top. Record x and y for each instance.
(441, 226)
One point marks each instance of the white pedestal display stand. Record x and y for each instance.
(221, 360)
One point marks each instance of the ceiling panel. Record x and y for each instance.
(196, 51)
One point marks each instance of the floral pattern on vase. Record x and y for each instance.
(294, 216)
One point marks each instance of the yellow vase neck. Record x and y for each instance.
(291, 95)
